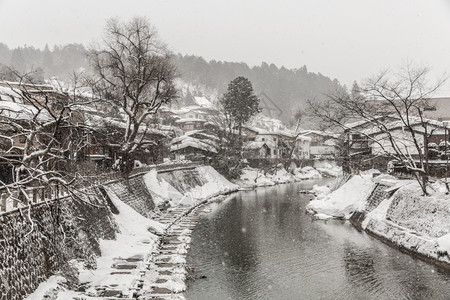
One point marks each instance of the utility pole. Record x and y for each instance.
(445, 123)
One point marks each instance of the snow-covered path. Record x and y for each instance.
(165, 276)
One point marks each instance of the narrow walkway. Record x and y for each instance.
(166, 274)
(161, 274)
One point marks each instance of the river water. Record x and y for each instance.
(261, 244)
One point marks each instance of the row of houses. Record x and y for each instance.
(193, 131)
(203, 127)
(372, 144)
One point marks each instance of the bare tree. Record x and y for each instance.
(298, 116)
(40, 134)
(384, 102)
(133, 72)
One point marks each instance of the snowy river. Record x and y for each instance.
(261, 244)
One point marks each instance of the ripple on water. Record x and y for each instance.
(262, 245)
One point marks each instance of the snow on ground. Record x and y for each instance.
(342, 202)
(378, 213)
(321, 191)
(307, 173)
(444, 243)
(252, 177)
(46, 289)
(160, 189)
(329, 170)
(216, 184)
(426, 215)
(133, 241)
(407, 219)
(416, 222)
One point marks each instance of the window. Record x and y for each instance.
(429, 108)
(356, 137)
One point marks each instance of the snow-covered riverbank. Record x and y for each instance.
(255, 178)
(123, 261)
(119, 270)
(394, 211)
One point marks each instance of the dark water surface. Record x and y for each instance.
(261, 244)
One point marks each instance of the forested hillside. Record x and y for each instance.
(287, 88)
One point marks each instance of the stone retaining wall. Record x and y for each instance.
(135, 194)
(37, 242)
(183, 180)
(428, 217)
(410, 224)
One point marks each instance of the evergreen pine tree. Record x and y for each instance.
(240, 102)
(47, 60)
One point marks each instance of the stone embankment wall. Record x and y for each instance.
(38, 241)
(374, 199)
(406, 221)
(135, 194)
(428, 217)
(183, 180)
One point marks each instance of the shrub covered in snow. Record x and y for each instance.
(342, 202)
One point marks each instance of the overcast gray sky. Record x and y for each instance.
(344, 39)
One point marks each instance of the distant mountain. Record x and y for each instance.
(59, 62)
(282, 90)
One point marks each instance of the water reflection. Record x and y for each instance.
(262, 245)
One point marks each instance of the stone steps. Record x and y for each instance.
(170, 260)
(164, 276)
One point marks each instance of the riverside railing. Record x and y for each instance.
(13, 198)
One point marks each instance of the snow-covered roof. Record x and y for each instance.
(415, 122)
(97, 121)
(203, 102)
(257, 145)
(184, 141)
(303, 138)
(19, 111)
(330, 142)
(189, 120)
(267, 123)
(254, 145)
(259, 131)
(321, 133)
(16, 83)
(357, 123)
(187, 137)
(10, 94)
(203, 134)
(187, 109)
